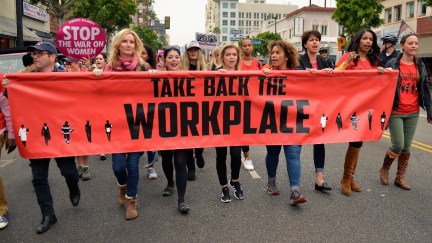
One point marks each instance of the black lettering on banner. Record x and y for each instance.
(221, 89)
(140, 119)
(268, 119)
(284, 116)
(243, 86)
(227, 121)
(155, 87)
(261, 85)
(172, 131)
(281, 86)
(166, 88)
(185, 123)
(301, 116)
(178, 87)
(231, 86)
(209, 86)
(189, 87)
(210, 118)
(247, 115)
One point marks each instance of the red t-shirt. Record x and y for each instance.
(361, 65)
(408, 98)
(314, 65)
(256, 65)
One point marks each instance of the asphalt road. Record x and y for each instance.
(377, 214)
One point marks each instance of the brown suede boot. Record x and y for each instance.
(131, 208)
(121, 200)
(349, 167)
(401, 169)
(384, 171)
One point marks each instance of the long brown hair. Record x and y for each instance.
(290, 52)
(415, 60)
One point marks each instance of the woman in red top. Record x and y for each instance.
(412, 91)
(363, 54)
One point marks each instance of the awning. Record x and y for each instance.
(9, 28)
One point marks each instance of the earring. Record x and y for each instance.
(370, 51)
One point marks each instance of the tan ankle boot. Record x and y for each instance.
(401, 169)
(349, 167)
(131, 208)
(384, 171)
(121, 200)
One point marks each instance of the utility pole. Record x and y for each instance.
(273, 16)
(19, 23)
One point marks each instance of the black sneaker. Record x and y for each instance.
(200, 161)
(191, 175)
(168, 190)
(183, 208)
(225, 196)
(238, 191)
(296, 197)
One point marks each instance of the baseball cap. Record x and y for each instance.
(192, 44)
(69, 60)
(159, 53)
(44, 46)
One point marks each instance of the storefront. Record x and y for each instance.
(8, 34)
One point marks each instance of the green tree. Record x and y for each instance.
(150, 38)
(428, 2)
(109, 14)
(355, 15)
(56, 8)
(216, 30)
(265, 38)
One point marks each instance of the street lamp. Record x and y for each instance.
(273, 16)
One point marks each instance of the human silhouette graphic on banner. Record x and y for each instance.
(108, 127)
(46, 133)
(339, 121)
(354, 121)
(88, 131)
(383, 119)
(323, 122)
(370, 119)
(23, 134)
(66, 130)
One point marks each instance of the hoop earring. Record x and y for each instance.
(370, 51)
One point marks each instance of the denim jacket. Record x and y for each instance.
(424, 98)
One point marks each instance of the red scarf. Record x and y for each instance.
(123, 65)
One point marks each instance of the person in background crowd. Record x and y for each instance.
(172, 63)
(44, 57)
(72, 65)
(125, 56)
(160, 62)
(149, 56)
(405, 112)
(230, 60)
(324, 54)
(29, 66)
(248, 62)
(193, 60)
(362, 54)
(311, 41)
(284, 56)
(389, 52)
(215, 60)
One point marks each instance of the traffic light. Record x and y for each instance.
(167, 22)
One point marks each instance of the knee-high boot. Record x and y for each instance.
(384, 171)
(401, 169)
(349, 168)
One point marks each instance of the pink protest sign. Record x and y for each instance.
(80, 38)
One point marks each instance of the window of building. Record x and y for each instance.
(232, 22)
(398, 12)
(388, 15)
(410, 10)
(225, 22)
(225, 14)
(315, 27)
(224, 38)
(248, 15)
(233, 14)
(323, 29)
(256, 23)
(224, 30)
(224, 5)
(233, 5)
(241, 22)
(248, 23)
(422, 7)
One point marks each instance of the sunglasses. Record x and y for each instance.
(174, 47)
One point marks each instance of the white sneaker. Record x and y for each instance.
(3, 221)
(248, 164)
(151, 173)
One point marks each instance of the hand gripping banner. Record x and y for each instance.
(63, 114)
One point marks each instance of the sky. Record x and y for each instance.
(188, 16)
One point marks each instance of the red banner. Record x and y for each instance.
(60, 114)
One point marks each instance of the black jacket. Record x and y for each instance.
(305, 62)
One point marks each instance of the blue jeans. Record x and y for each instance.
(125, 167)
(292, 156)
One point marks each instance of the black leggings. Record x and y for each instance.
(180, 157)
(190, 161)
(221, 168)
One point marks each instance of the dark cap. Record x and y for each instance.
(323, 50)
(69, 60)
(44, 46)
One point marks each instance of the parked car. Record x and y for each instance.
(11, 59)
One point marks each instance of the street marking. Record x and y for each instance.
(414, 144)
(5, 162)
(253, 173)
(421, 144)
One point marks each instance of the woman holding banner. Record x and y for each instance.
(311, 60)
(363, 54)
(172, 62)
(405, 113)
(230, 60)
(125, 56)
(193, 60)
(284, 56)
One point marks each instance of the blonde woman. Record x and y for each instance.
(214, 63)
